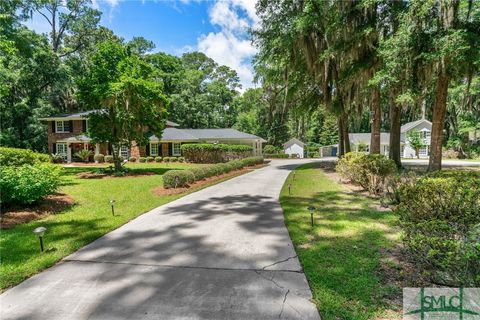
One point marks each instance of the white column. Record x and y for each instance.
(69, 153)
(97, 148)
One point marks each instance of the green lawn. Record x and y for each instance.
(86, 221)
(341, 253)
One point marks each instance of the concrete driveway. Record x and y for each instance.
(221, 253)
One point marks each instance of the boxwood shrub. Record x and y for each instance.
(173, 159)
(178, 178)
(201, 173)
(109, 159)
(26, 184)
(367, 170)
(18, 157)
(132, 159)
(150, 159)
(440, 219)
(158, 159)
(100, 158)
(142, 159)
(276, 155)
(181, 159)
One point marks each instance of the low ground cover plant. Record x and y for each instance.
(440, 218)
(183, 178)
(370, 171)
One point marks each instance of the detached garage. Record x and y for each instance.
(294, 148)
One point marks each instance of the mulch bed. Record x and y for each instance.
(52, 204)
(161, 191)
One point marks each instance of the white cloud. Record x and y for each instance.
(231, 45)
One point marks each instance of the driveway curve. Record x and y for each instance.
(220, 253)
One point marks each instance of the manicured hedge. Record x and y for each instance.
(132, 159)
(18, 157)
(183, 178)
(214, 153)
(440, 218)
(276, 155)
(178, 178)
(26, 184)
(158, 159)
(100, 158)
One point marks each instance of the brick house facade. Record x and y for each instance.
(67, 134)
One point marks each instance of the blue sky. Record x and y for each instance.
(217, 28)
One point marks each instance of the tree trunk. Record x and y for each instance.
(438, 120)
(394, 151)
(341, 149)
(116, 160)
(346, 138)
(376, 121)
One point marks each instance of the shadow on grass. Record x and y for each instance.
(341, 253)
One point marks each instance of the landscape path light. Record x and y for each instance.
(40, 231)
(311, 209)
(112, 203)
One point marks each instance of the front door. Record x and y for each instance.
(165, 150)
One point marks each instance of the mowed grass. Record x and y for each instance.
(87, 220)
(341, 253)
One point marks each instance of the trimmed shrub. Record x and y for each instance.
(27, 184)
(177, 178)
(166, 159)
(158, 159)
(440, 219)
(173, 159)
(210, 171)
(277, 156)
(269, 149)
(132, 159)
(237, 164)
(142, 159)
(252, 161)
(199, 173)
(18, 157)
(214, 153)
(150, 159)
(100, 158)
(367, 170)
(121, 158)
(109, 159)
(181, 159)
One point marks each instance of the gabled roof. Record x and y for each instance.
(174, 134)
(410, 125)
(71, 116)
(357, 138)
(84, 114)
(293, 141)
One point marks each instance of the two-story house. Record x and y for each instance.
(362, 140)
(67, 134)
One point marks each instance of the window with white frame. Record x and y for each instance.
(154, 149)
(62, 126)
(124, 152)
(423, 151)
(176, 149)
(62, 149)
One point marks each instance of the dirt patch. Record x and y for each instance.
(52, 204)
(161, 191)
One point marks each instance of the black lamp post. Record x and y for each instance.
(112, 203)
(311, 209)
(39, 232)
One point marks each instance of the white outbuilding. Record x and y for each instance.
(294, 148)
